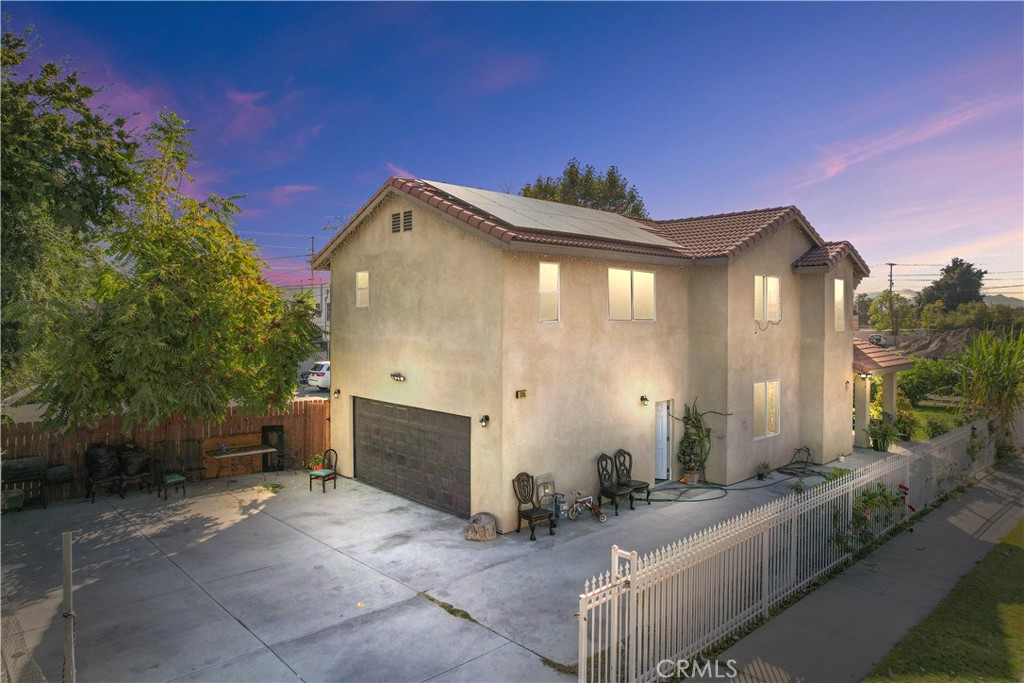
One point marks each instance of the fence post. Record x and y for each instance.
(765, 574)
(69, 613)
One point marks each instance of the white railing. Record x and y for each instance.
(680, 600)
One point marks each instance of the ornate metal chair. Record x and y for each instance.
(608, 488)
(523, 487)
(167, 478)
(329, 473)
(624, 474)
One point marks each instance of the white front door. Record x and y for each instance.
(662, 440)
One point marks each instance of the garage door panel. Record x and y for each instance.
(417, 453)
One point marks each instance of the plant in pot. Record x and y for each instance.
(882, 432)
(763, 468)
(317, 461)
(695, 446)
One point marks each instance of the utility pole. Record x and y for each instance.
(313, 253)
(892, 305)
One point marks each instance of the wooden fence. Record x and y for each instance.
(303, 429)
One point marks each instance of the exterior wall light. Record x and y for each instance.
(485, 420)
(644, 400)
(397, 376)
(865, 375)
(337, 393)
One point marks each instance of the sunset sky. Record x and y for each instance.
(898, 127)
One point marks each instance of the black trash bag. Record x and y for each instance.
(19, 469)
(101, 461)
(134, 460)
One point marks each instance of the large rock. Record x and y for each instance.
(482, 527)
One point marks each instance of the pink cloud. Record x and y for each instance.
(285, 195)
(398, 171)
(839, 156)
(249, 119)
(507, 71)
(140, 105)
(205, 178)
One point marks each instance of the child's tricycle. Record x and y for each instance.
(588, 503)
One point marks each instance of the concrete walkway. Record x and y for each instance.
(838, 633)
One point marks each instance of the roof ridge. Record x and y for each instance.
(725, 215)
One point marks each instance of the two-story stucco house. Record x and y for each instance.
(478, 334)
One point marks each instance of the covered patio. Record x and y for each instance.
(870, 361)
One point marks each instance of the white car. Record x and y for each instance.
(320, 375)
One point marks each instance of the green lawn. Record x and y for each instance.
(925, 412)
(976, 633)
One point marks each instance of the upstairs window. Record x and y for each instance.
(548, 289)
(363, 289)
(630, 294)
(767, 298)
(840, 305)
(766, 409)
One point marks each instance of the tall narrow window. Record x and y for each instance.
(766, 408)
(548, 288)
(630, 294)
(767, 298)
(840, 305)
(362, 289)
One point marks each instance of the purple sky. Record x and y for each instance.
(899, 127)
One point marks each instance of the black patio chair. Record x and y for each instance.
(608, 488)
(523, 487)
(166, 478)
(329, 473)
(624, 474)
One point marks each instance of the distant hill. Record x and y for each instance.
(1003, 300)
(990, 299)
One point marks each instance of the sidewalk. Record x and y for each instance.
(838, 633)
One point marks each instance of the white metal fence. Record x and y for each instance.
(680, 600)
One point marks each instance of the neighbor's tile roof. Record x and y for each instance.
(877, 360)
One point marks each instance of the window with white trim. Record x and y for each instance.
(766, 408)
(363, 289)
(630, 294)
(767, 298)
(840, 305)
(548, 287)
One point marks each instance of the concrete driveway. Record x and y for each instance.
(238, 584)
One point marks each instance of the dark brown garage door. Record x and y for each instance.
(420, 454)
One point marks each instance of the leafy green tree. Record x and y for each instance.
(959, 283)
(584, 186)
(170, 313)
(890, 307)
(991, 377)
(64, 171)
(861, 305)
(927, 377)
(933, 316)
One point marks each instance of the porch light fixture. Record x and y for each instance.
(644, 400)
(865, 375)
(485, 420)
(337, 393)
(397, 376)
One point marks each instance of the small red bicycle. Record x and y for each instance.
(588, 503)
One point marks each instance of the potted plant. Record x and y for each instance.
(763, 468)
(317, 461)
(695, 446)
(882, 433)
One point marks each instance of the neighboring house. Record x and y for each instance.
(321, 299)
(478, 334)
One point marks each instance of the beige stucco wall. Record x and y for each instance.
(584, 374)
(458, 316)
(435, 316)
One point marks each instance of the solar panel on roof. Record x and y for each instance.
(536, 214)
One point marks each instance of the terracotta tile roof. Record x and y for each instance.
(877, 360)
(828, 255)
(723, 236)
(726, 235)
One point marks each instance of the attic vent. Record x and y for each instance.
(406, 221)
(396, 225)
